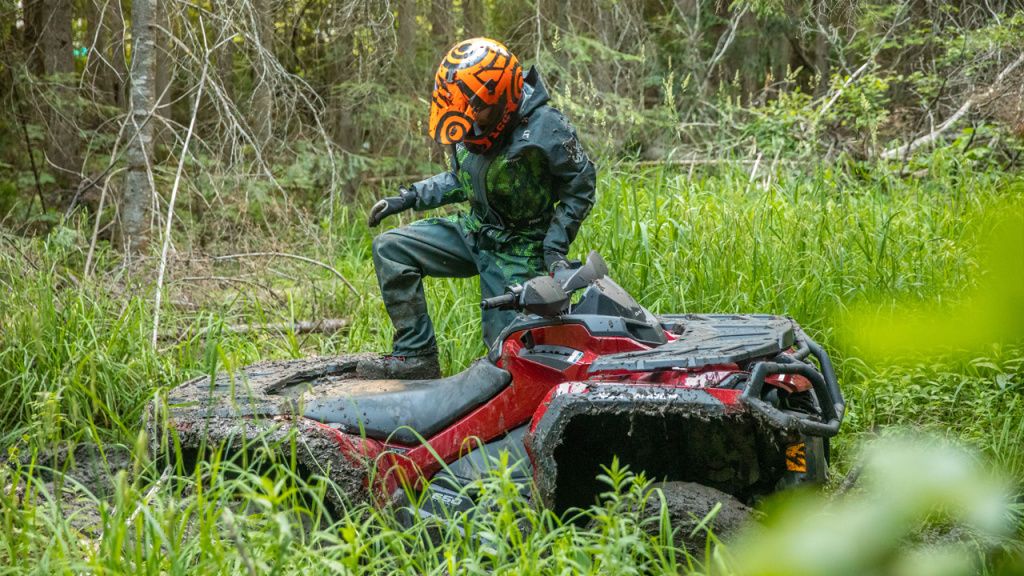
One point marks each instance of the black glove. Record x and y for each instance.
(555, 262)
(391, 205)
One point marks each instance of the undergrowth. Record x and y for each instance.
(76, 362)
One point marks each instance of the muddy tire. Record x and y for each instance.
(688, 504)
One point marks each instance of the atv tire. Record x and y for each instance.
(688, 504)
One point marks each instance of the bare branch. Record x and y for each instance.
(293, 256)
(960, 113)
(724, 42)
(170, 204)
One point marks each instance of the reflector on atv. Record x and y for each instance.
(731, 402)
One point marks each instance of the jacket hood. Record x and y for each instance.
(535, 94)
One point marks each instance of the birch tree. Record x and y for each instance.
(138, 189)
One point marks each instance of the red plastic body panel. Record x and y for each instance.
(526, 398)
(789, 382)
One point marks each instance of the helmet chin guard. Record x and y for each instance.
(476, 75)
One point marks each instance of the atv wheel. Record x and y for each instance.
(688, 504)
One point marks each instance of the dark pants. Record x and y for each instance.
(441, 248)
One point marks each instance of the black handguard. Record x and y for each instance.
(391, 205)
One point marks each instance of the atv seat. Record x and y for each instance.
(387, 409)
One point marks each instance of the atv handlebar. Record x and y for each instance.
(549, 295)
(503, 302)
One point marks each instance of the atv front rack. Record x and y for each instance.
(706, 340)
(709, 339)
(826, 388)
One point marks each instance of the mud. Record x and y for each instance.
(74, 480)
(268, 388)
(254, 409)
(317, 452)
(669, 434)
(688, 504)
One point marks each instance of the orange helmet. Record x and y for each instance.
(477, 89)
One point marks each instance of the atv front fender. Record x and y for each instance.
(671, 434)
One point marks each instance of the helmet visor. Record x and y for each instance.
(485, 119)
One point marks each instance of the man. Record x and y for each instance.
(529, 185)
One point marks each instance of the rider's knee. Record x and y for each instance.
(385, 243)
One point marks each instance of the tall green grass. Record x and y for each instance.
(808, 245)
(76, 364)
(76, 350)
(256, 516)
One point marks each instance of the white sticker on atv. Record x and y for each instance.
(637, 395)
(570, 388)
(575, 357)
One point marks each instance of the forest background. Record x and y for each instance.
(317, 98)
(183, 186)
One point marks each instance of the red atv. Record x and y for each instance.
(726, 403)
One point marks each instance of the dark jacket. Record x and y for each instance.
(529, 192)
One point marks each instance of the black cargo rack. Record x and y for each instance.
(707, 339)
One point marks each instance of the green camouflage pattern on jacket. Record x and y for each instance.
(518, 190)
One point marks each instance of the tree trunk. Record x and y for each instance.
(781, 58)
(59, 66)
(781, 35)
(342, 125)
(745, 58)
(473, 18)
(406, 49)
(31, 36)
(138, 192)
(441, 25)
(262, 99)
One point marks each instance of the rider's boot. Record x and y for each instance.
(388, 367)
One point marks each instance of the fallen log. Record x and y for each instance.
(322, 326)
(906, 149)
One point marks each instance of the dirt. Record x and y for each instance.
(678, 435)
(74, 479)
(688, 504)
(317, 452)
(269, 386)
(258, 404)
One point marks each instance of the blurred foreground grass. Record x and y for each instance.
(826, 247)
(986, 312)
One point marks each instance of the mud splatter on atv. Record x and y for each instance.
(259, 407)
(742, 404)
